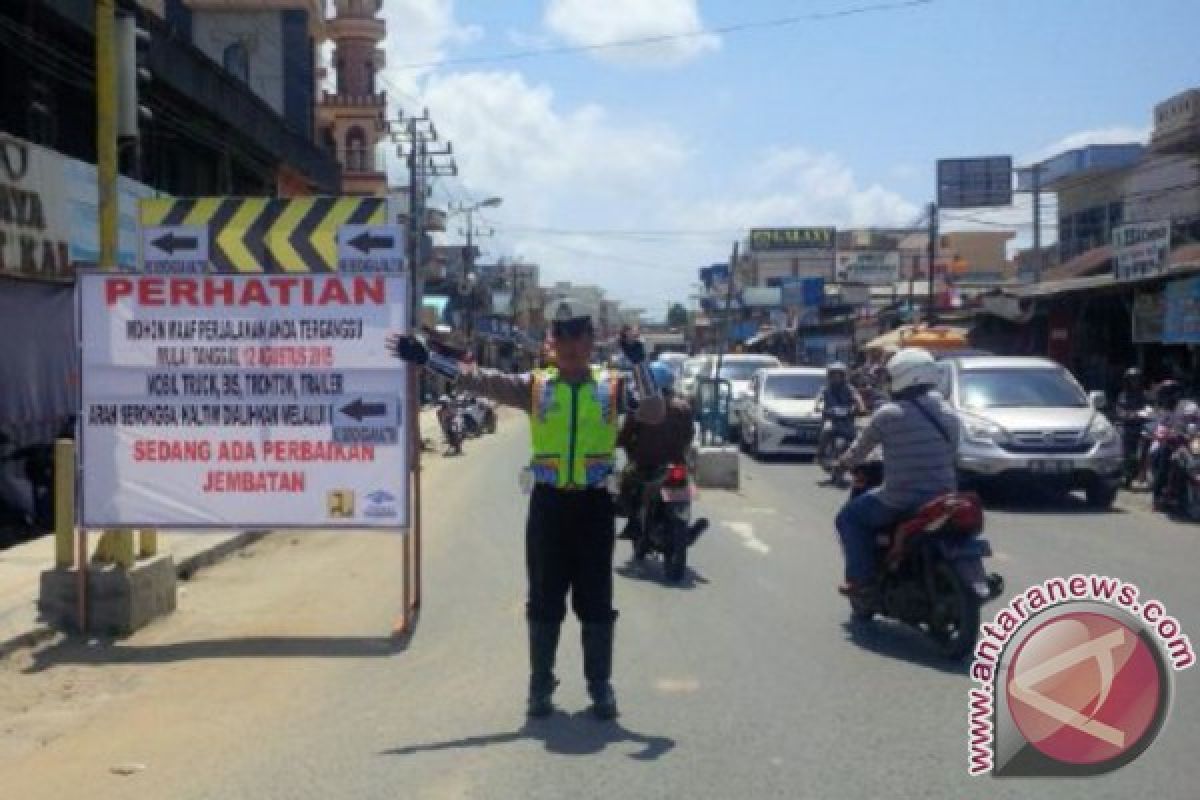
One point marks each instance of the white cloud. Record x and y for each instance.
(1117, 134)
(514, 140)
(588, 22)
(794, 186)
(420, 32)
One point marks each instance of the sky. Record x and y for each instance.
(630, 167)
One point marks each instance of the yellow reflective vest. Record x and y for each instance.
(574, 429)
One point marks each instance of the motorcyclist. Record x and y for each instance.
(1132, 397)
(446, 414)
(838, 393)
(1168, 397)
(652, 447)
(919, 432)
(1131, 402)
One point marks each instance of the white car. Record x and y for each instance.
(693, 369)
(675, 361)
(780, 415)
(739, 369)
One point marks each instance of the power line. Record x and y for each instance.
(741, 27)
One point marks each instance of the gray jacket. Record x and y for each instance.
(918, 461)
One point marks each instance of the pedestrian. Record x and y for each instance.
(570, 531)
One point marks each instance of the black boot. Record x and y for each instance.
(543, 643)
(631, 529)
(597, 667)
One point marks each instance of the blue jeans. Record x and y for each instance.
(858, 523)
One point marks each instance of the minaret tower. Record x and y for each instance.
(353, 118)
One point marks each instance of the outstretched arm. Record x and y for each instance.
(509, 390)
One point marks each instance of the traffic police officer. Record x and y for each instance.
(570, 531)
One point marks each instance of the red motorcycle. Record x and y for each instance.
(929, 569)
(666, 526)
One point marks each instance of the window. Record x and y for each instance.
(1019, 388)
(236, 59)
(356, 149)
(794, 386)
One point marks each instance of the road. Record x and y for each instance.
(277, 679)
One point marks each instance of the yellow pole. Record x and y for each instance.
(114, 547)
(64, 503)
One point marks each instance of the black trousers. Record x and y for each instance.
(569, 539)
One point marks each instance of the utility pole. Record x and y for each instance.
(114, 546)
(469, 257)
(106, 130)
(933, 248)
(1037, 223)
(733, 261)
(469, 260)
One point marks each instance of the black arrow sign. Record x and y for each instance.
(169, 243)
(358, 410)
(365, 242)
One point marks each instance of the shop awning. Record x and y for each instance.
(941, 337)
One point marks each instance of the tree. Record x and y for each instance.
(677, 316)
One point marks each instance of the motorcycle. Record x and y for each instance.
(929, 569)
(1169, 436)
(666, 525)
(1184, 480)
(450, 419)
(479, 415)
(1133, 426)
(837, 432)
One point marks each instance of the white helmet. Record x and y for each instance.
(912, 366)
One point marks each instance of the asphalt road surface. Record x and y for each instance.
(277, 677)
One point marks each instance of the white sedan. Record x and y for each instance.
(780, 413)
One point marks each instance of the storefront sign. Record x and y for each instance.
(876, 267)
(766, 239)
(762, 297)
(1149, 309)
(242, 401)
(1140, 249)
(802, 292)
(820, 350)
(1181, 320)
(48, 218)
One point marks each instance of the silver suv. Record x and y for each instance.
(1029, 418)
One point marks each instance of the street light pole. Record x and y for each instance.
(469, 261)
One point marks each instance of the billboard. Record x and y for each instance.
(48, 217)
(768, 239)
(1149, 311)
(1181, 317)
(975, 182)
(242, 401)
(1141, 249)
(877, 267)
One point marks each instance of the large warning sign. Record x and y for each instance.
(243, 401)
(264, 234)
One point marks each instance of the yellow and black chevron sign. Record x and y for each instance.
(267, 234)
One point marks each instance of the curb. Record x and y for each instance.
(185, 569)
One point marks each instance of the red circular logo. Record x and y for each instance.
(1084, 688)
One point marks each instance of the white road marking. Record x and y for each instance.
(745, 531)
(677, 685)
(761, 510)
